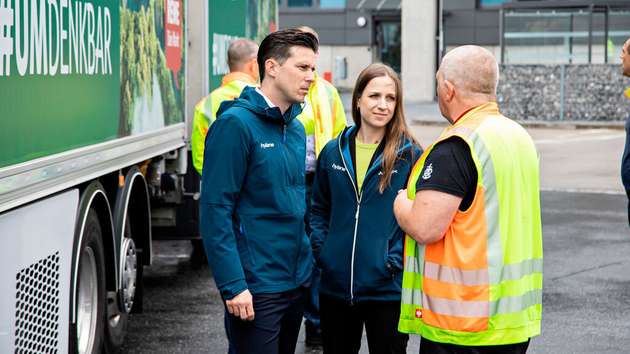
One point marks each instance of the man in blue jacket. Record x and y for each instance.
(252, 203)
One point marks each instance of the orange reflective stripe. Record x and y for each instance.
(455, 291)
(466, 324)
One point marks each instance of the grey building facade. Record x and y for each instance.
(353, 33)
(412, 35)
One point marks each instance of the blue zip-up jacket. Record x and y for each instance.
(355, 237)
(252, 200)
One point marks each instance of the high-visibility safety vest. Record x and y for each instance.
(627, 93)
(206, 111)
(323, 116)
(481, 284)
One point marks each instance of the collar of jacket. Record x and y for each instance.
(346, 144)
(254, 102)
(238, 76)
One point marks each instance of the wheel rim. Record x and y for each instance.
(129, 273)
(87, 301)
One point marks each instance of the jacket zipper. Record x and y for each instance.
(358, 196)
(299, 240)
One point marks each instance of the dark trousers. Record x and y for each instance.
(275, 328)
(311, 309)
(342, 326)
(429, 347)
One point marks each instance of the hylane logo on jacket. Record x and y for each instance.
(266, 145)
(380, 173)
(338, 168)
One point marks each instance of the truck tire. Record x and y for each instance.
(120, 304)
(90, 290)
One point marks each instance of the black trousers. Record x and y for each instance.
(429, 347)
(275, 328)
(342, 326)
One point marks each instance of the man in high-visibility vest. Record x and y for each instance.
(243, 72)
(323, 118)
(625, 160)
(472, 280)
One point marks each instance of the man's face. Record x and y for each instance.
(625, 58)
(295, 75)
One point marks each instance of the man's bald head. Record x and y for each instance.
(473, 71)
(241, 52)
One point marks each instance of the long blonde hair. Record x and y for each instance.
(394, 130)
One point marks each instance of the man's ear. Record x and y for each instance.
(449, 89)
(271, 68)
(252, 67)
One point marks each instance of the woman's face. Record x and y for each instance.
(377, 103)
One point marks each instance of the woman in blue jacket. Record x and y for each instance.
(355, 238)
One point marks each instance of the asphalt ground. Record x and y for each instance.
(586, 295)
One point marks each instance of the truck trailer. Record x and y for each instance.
(96, 107)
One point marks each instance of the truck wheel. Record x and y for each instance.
(90, 291)
(120, 304)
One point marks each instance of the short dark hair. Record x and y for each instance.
(277, 45)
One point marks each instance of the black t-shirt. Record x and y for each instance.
(450, 168)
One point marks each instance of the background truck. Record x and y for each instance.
(96, 103)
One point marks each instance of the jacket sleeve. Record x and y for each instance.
(320, 207)
(395, 256)
(224, 169)
(339, 113)
(397, 237)
(199, 130)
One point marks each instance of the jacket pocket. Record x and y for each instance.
(334, 263)
(247, 256)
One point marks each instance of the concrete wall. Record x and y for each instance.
(418, 46)
(357, 58)
(591, 92)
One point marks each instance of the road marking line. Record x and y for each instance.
(580, 139)
(583, 190)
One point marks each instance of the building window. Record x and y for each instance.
(332, 4)
(492, 3)
(564, 36)
(299, 3)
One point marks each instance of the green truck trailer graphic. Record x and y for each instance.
(95, 106)
(77, 73)
(233, 19)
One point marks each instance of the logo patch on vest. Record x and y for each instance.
(418, 313)
(427, 172)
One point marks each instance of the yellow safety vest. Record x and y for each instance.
(206, 111)
(481, 284)
(324, 115)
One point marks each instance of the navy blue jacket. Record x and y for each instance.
(355, 237)
(252, 200)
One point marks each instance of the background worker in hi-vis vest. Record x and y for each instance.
(323, 117)
(472, 280)
(243, 72)
(625, 160)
